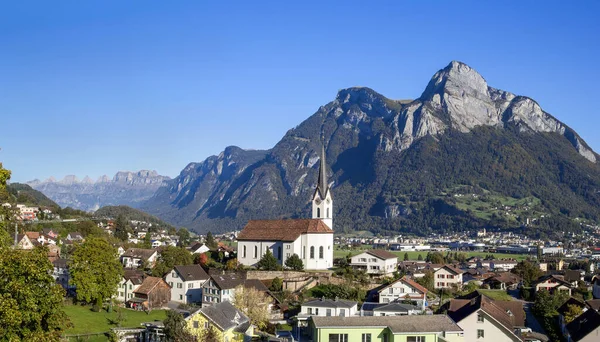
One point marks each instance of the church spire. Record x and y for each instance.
(322, 185)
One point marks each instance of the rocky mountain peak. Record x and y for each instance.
(457, 79)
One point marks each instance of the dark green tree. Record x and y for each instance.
(268, 262)
(184, 236)
(420, 257)
(31, 306)
(210, 241)
(405, 256)
(276, 284)
(171, 257)
(294, 262)
(121, 228)
(95, 271)
(528, 271)
(176, 328)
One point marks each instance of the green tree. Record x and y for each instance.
(184, 236)
(176, 328)
(210, 241)
(573, 311)
(420, 257)
(95, 271)
(276, 284)
(294, 262)
(427, 280)
(171, 257)
(405, 256)
(528, 271)
(436, 258)
(121, 228)
(30, 300)
(268, 262)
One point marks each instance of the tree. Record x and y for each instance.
(121, 228)
(405, 256)
(30, 300)
(95, 271)
(268, 262)
(202, 260)
(420, 257)
(232, 264)
(276, 284)
(528, 271)
(171, 257)
(210, 241)
(294, 262)
(175, 328)
(573, 311)
(253, 303)
(184, 236)
(427, 280)
(546, 304)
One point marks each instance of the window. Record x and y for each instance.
(342, 312)
(328, 312)
(339, 338)
(206, 325)
(480, 318)
(255, 252)
(174, 275)
(366, 338)
(279, 253)
(244, 251)
(288, 246)
(310, 311)
(328, 217)
(318, 212)
(415, 339)
(179, 285)
(317, 311)
(171, 283)
(303, 252)
(180, 297)
(450, 276)
(391, 290)
(190, 285)
(384, 338)
(196, 325)
(312, 252)
(321, 252)
(287, 255)
(130, 286)
(441, 276)
(480, 333)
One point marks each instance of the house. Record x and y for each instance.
(220, 288)
(596, 286)
(505, 265)
(186, 283)
(310, 239)
(75, 236)
(152, 294)
(389, 309)
(229, 323)
(574, 276)
(53, 252)
(404, 289)
(564, 309)
(551, 283)
(329, 307)
(447, 277)
(199, 248)
(503, 281)
(23, 242)
(385, 329)
(60, 273)
(136, 257)
(584, 328)
(479, 317)
(131, 281)
(593, 304)
(376, 261)
(50, 233)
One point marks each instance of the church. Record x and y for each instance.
(310, 239)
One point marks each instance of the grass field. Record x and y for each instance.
(496, 294)
(86, 321)
(338, 253)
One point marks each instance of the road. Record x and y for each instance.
(531, 321)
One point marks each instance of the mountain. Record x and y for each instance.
(131, 214)
(24, 194)
(462, 156)
(126, 188)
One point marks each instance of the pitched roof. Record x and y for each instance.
(330, 303)
(61, 263)
(191, 272)
(508, 313)
(148, 285)
(571, 301)
(557, 278)
(136, 276)
(396, 307)
(255, 284)
(32, 235)
(227, 281)
(408, 282)
(397, 324)
(282, 230)
(139, 253)
(382, 254)
(451, 269)
(593, 304)
(224, 315)
(583, 325)
(504, 277)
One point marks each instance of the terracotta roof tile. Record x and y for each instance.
(148, 285)
(282, 230)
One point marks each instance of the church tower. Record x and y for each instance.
(322, 202)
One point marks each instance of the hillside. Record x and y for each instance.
(130, 214)
(462, 156)
(24, 194)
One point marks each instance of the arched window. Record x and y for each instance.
(255, 252)
(318, 212)
(244, 252)
(279, 253)
(312, 252)
(327, 213)
(303, 252)
(321, 252)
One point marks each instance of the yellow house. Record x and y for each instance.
(228, 323)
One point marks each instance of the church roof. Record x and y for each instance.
(322, 185)
(282, 230)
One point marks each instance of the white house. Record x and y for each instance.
(484, 319)
(310, 239)
(447, 277)
(329, 307)
(389, 309)
(376, 261)
(199, 248)
(131, 281)
(186, 283)
(404, 289)
(136, 257)
(61, 273)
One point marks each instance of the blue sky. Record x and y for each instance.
(93, 87)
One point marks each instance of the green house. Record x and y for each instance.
(416, 328)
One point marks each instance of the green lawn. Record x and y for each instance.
(339, 253)
(496, 294)
(86, 321)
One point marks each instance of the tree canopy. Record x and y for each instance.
(294, 262)
(254, 304)
(268, 262)
(171, 257)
